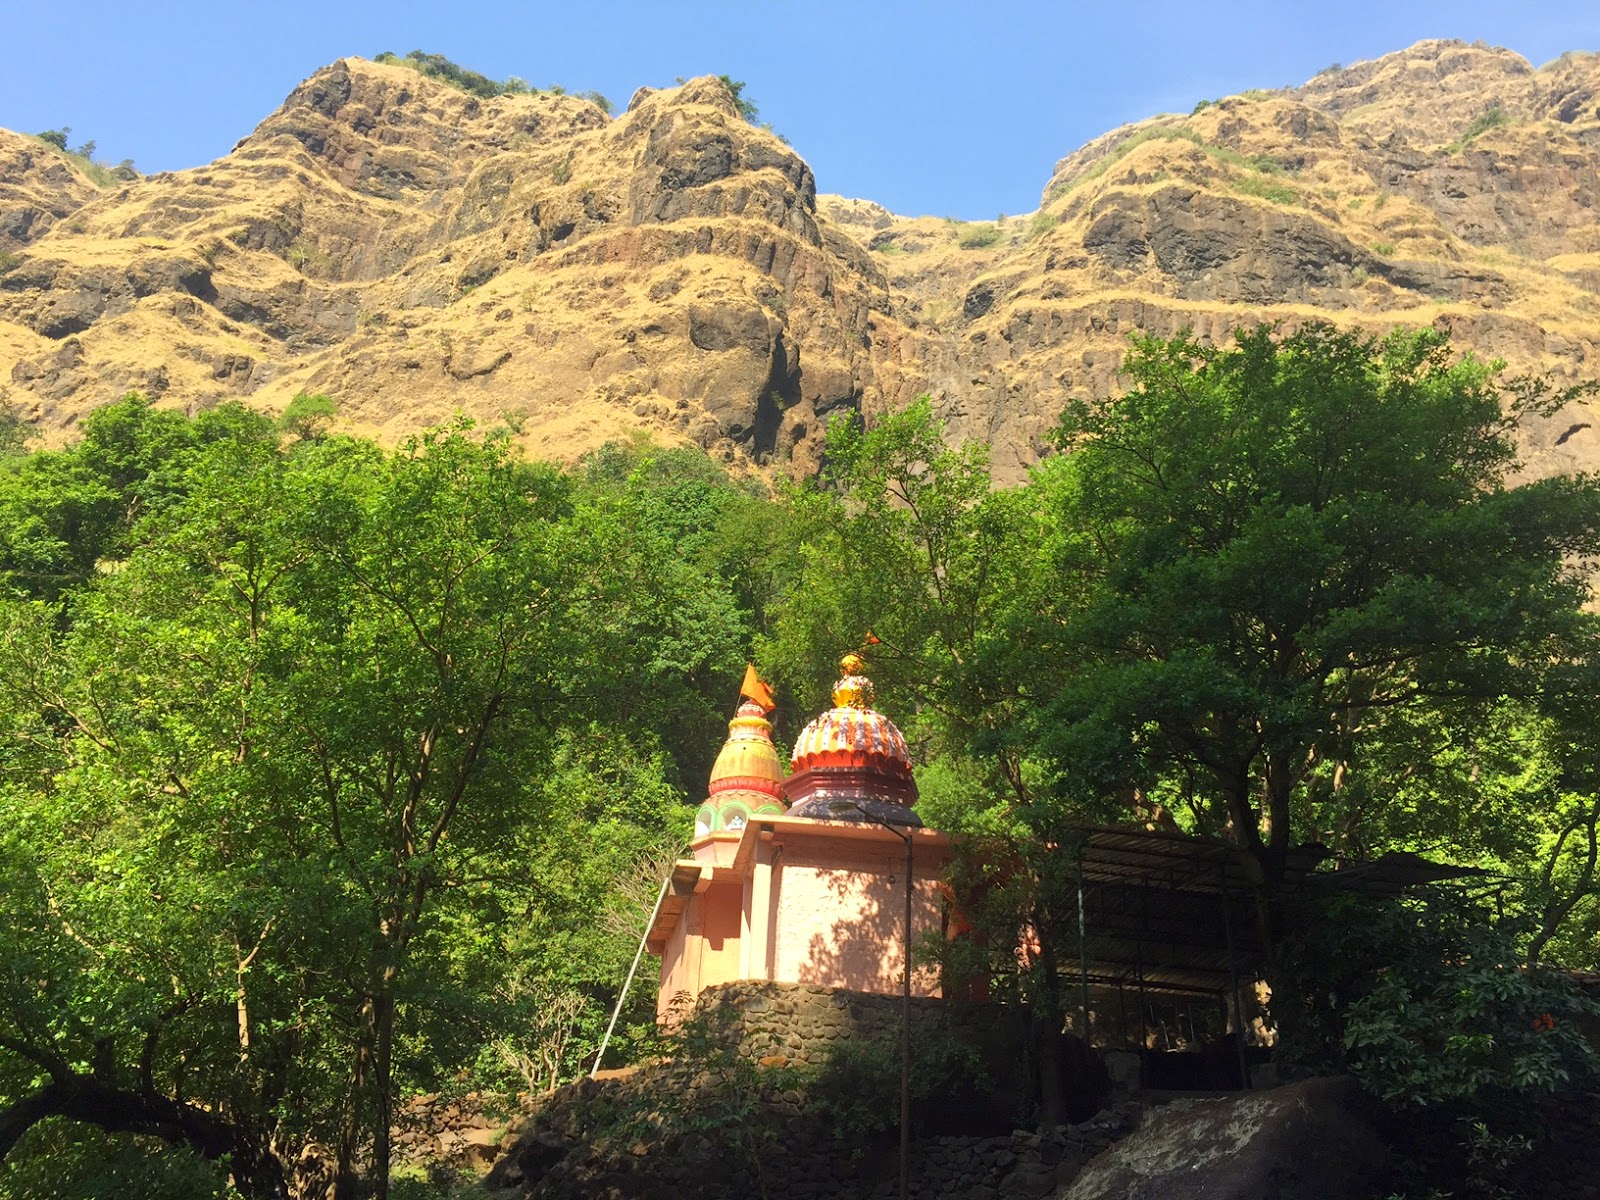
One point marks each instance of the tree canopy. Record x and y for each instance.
(333, 773)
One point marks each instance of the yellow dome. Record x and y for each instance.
(749, 760)
(747, 778)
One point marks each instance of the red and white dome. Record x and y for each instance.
(852, 757)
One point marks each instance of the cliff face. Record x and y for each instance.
(1358, 198)
(37, 188)
(415, 251)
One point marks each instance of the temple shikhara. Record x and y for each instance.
(803, 878)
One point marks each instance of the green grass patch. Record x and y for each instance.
(1266, 188)
(979, 235)
(437, 66)
(1489, 118)
(1383, 248)
(98, 174)
(1041, 224)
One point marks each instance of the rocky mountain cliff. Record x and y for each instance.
(415, 251)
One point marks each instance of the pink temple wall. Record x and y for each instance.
(703, 949)
(841, 915)
(811, 908)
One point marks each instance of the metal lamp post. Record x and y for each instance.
(904, 834)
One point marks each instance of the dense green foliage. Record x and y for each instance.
(323, 765)
(333, 773)
(1279, 593)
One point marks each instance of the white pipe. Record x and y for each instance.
(627, 983)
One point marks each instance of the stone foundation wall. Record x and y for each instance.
(802, 1024)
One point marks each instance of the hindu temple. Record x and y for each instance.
(801, 877)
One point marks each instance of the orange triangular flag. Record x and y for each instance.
(756, 690)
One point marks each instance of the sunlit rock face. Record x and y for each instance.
(416, 252)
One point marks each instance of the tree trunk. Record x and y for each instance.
(344, 1180)
(256, 1172)
(1049, 1038)
(383, 1060)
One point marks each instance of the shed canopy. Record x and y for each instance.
(1175, 913)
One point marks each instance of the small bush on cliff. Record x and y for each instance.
(746, 106)
(978, 236)
(437, 66)
(1490, 118)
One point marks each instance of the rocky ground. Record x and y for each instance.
(415, 251)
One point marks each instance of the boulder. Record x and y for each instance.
(1311, 1140)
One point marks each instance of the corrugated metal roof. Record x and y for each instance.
(1163, 909)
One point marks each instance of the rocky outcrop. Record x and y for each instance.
(416, 252)
(1374, 196)
(781, 1146)
(1304, 1141)
(38, 187)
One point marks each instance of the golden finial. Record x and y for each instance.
(854, 689)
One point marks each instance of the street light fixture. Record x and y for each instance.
(839, 808)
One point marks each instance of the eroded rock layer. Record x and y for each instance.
(417, 252)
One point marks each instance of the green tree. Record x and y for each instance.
(747, 107)
(308, 416)
(1267, 553)
(279, 773)
(14, 430)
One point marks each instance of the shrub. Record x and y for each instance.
(747, 107)
(1426, 1002)
(437, 66)
(307, 416)
(978, 236)
(1042, 223)
(55, 137)
(1489, 119)
(1266, 189)
(1383, 248)
(303, 256)
(859, 1086)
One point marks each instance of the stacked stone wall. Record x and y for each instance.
(802, 1024)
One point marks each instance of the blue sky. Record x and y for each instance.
(943, 108)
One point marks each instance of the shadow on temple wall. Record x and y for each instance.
(865, 949)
